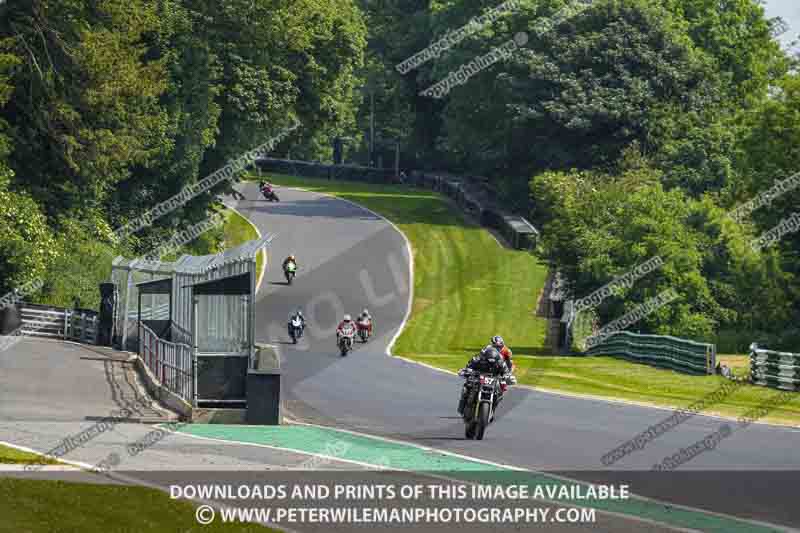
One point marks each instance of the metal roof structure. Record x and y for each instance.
(189, 264)
(201, 306)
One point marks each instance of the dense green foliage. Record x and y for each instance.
(626, 129)
(110, 107)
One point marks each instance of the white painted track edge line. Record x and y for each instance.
(133, 481)
(76, 464)
(263, 251)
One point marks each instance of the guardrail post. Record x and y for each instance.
(66, 322)
(163, 371)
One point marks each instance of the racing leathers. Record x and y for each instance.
(506, 353)
(302, 322)
(342, 325)
(365, 321)
(288, 260)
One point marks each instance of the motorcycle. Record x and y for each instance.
(296, 329)
(478, 403)
(364, 330)
(290, 271)
(269, 194)
(346, 339)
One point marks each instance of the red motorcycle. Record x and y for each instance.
(269, 194)
(364, 329)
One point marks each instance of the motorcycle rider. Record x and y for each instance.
(499, 344)
(297, 314)
(265, 187)
(347, 322)
(289, 259)
(489, 361)
(365, 317)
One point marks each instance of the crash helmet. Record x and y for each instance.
(497, 342)
(490, 352)
(347, 318)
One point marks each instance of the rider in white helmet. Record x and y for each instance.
(347, 321)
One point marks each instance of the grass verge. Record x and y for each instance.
(608, 377)
(37, 506)
(17, 457)
(238, 230)
(467, 288)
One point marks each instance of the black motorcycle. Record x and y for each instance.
(477, 405)
(295, 329)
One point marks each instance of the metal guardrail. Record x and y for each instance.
(70, 324)
(778, 370)
(169, 362)
(659, 350)
(520, 233)
(326, 171)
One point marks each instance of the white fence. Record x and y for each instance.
(70, 324)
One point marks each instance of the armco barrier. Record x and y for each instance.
(778, 370)
(323, 171)
(476, 199)
(659, 350)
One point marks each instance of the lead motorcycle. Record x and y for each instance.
(295, 329)
(477, 404)
(346, 339)
(269, 194)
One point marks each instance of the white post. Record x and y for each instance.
(251, 312)
(194, 348)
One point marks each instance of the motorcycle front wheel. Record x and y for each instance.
(483, 420)
(470, 430)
